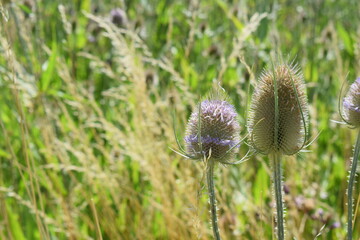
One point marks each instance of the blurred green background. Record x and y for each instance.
(88, 92)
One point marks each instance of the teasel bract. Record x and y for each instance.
(350, 113)
(212, 135)
(278, 121)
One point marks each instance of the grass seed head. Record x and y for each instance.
(217, 133)
(351, 104)
(288, 121)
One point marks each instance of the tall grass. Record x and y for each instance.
(86, 117)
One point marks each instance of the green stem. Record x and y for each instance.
(277, 178)
(351, 187)
(211, 189)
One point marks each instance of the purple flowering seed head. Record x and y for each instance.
(118, 17)
(351, 104)
(335, 225)
(292, 111)
(217, 133)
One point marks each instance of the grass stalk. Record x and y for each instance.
(351, 188)
(212, 198)
(277, 179)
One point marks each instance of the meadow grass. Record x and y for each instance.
(87, 113)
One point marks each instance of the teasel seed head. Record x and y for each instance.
(351, 104)
(213, 130)
(279, 126)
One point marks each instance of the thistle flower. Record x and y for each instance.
(277, 123)
(287, 120)
(213, 131)
(351, 104)
(351, 115)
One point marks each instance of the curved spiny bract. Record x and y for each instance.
(292, 111)
(217, 133)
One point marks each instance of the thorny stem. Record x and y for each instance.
(351, 187)
(211, 189)
(277, 178)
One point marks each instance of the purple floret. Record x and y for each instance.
(192, 139)
(208, 107)
(335, 225)
(347, 104)
(358, 80)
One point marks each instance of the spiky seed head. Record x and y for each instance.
(217, 133)
(351, 104)
(292, 112)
